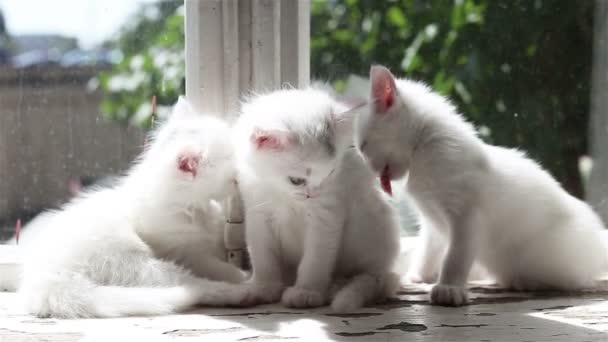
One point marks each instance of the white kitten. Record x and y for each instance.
(119, 250)
(478, 202)
(314, 211)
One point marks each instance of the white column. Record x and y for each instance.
(295, 42)
(204, 54)
(234, 47)
(597, 188)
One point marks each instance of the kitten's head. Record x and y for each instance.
(193, 153)
(382, 132)
(295, 139)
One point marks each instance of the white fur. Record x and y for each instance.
(479, 202)
(140, 247)
(347, 230)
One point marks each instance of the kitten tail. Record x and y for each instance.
(116, 301)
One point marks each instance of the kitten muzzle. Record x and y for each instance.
(313, 192)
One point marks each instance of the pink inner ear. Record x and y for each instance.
(383, 88)
(270, 140)
(188, 162)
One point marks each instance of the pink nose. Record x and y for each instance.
(313, 193)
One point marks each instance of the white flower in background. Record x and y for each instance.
(162, 112)
(431, 31)
(137, 62)
(161, 58)
(92, 84)
(117, 83)
(151, 13)
(124, 82)
(142, 114)
(484, 131)
(172, 73)
(585, 166)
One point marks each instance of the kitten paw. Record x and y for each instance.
(222, 294)
(449, 295)
(236, 277)
(297, 297)
(346, 302)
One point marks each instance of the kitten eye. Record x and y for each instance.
(297, 181)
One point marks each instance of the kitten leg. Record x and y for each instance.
(267, 283)
(215, 269)
(316, 267)
(451, 289)
(425, 261)
(190, 289)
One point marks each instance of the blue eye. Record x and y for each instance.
(297, 181)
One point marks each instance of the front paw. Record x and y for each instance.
(449, 295)
(297, 297)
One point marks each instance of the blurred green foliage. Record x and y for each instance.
(519, 69)
(152, 45)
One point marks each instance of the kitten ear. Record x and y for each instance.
(271, 139)
(383, 90)
(182, 109)
(188, 162)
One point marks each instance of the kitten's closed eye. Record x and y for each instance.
(297, 181)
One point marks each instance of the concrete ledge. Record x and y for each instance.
(47, 75)
(494, 315)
